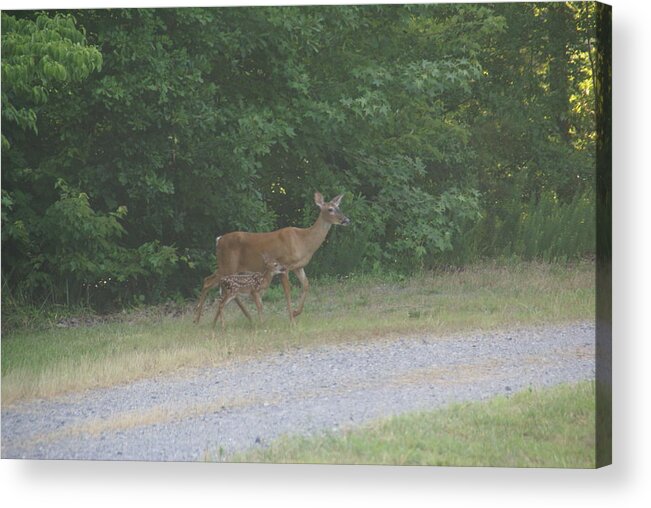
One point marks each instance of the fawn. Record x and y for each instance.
(252, 283)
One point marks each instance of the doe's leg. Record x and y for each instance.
(305, 285)
(284, 280)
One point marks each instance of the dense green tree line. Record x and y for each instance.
(132, 137)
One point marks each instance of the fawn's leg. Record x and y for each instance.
(220, 311)
(243, 308)
(258, 303)
(208, 283)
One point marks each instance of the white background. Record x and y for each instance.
(72, 483)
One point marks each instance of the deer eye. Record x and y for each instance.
(331, 210)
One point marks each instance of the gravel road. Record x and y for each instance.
(203, 413)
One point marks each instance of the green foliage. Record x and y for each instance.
(446, 126)
(79, 251)
(38, 56)
(555, 231)
(543, 228)
(76, 240)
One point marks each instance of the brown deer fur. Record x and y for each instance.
(292, 247)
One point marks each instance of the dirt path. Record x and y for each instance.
(213, 412)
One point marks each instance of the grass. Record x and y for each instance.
(547, 428)
(42, 363)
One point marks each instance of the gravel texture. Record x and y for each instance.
(213, 412)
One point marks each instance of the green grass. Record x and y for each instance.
(547, 428)
(41, 363)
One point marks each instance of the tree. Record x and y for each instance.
(207, 120)
(38, 57)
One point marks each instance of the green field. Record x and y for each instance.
(547, 428)
(53, 360)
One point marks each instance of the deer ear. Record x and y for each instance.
(336, 200)
(318, 199)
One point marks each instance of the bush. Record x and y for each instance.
(554, 231)
(544, 228)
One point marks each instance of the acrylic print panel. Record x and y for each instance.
(407, 203)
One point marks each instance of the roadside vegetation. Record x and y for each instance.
(545, 428)
(456, 133)
(45, 358)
